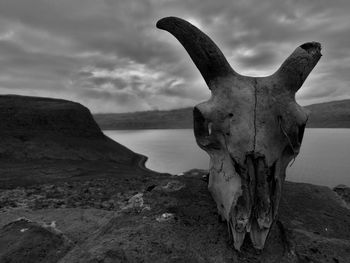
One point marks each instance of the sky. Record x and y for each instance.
(109, 55)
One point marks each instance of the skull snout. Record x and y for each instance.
(255, 209)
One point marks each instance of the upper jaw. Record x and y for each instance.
(247, 195)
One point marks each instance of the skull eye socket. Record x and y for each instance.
(203, 131)
(301, 130)
(294, 136)
(201, 126)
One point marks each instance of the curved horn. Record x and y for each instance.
(205, 54)
(295, 69)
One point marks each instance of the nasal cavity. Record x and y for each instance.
(200, 125)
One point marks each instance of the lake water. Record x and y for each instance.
(324, 158)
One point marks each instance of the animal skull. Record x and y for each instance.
(251, 127)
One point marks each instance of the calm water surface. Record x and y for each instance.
(324, 158)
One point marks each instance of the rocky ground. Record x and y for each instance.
(161, 219)
(98, 193)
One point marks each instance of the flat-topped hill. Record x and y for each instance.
(24, 116)
(42, 138)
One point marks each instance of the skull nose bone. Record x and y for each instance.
(254, 206)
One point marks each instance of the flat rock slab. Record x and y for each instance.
(174, 219)
(26, 241)
(77, 224)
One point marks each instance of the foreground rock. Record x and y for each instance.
(174, 219)
(26, 241)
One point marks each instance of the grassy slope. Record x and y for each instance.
(335, 114)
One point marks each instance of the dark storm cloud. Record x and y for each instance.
(110, 56)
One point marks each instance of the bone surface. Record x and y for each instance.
(251, 128)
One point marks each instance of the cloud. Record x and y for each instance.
(255, 58)
(110, 56)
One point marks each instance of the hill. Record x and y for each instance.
(44, 139)
(334, 114)
(172, 119)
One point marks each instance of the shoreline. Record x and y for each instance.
(321, 160)
(141, 162)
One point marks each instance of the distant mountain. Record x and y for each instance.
(172, 119)
(334, 114)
